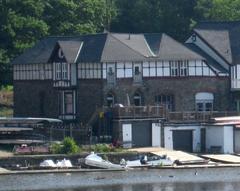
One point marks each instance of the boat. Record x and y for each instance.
(64, 164)
(144, 161)
(60, 164)
(48, 164)
(93, 160)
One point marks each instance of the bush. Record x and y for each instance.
(69, 146)
(56, 148)
(102, 148)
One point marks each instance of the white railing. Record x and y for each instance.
(235, 84)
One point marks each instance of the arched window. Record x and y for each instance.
(110, 100)
(137, 99)
(204, 101)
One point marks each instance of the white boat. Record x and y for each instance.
(94, 160)
(48, 163)
(146, 162)
(64, 164)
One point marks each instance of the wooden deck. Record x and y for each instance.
(224, 158)
(181, 156)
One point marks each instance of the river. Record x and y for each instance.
(206, 179)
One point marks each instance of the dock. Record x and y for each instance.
(224, 158)
(182, 157)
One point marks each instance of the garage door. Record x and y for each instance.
(182, 140)
(141, 134)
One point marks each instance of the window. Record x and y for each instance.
(174, 68)
(61, 71)
(64, 71)
(58, 71)
(183, 68)
(165, 100)
(136, 70)
(110, 100)
(137, 99)
(179, 68)
(68, 103)
(204, 101)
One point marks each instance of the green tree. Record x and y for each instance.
(78, 16)
(218, 10)
(20, 27)
(173, 17)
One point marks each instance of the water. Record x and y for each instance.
(221, 179)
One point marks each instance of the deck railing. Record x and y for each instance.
(160, 112)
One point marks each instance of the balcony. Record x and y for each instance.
(235, 84)
(137, 112)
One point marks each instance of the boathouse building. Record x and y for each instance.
(136, 88)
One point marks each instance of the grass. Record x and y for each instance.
(6, 101)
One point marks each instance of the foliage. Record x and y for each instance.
(6, 112)
(104, 148)
(56, 148)
(68, 146)
(228, 10)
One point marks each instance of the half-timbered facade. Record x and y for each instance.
(71, 77)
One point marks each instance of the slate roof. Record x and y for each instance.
(109, 47)
(70, 49)
(210, 61)
(223, 37)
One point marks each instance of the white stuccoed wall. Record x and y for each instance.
(156, 134)
(168, 138)
(228, 139)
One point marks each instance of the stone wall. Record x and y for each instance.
(183, 89)
(27, 101)
(89, 98)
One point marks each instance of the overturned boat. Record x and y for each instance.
(60, 164)
(93, 160)
(48, 164)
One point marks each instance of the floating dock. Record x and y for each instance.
(224, 158)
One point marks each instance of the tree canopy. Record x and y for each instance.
(24, 22)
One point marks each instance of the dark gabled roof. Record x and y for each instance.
(109, 47)
(223, 37)
(71, 49)
(210, 61)
(170, 49)
(115, 50)
(91, 50)
(136, 42)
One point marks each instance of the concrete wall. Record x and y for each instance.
(168, 137)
